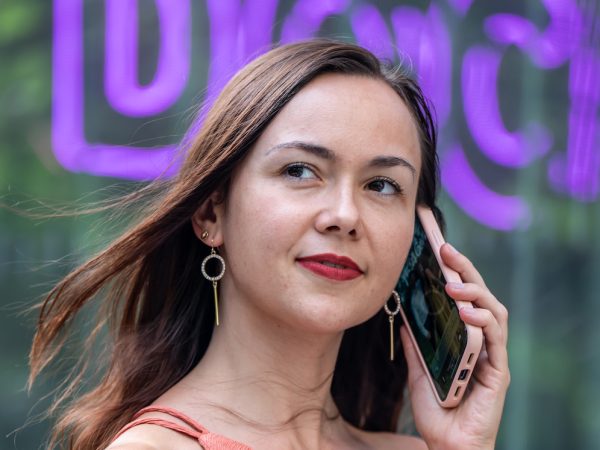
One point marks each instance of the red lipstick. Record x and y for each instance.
(331, 266)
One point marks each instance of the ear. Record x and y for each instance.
(207, 221)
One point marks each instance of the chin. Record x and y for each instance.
(324, 316)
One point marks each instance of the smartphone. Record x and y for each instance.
(447, 347)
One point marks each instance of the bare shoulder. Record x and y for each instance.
(132, 446)
(390, 441)
(152, 437)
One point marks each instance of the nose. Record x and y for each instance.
(340, 213)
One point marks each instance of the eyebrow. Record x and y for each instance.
(317, 150)
(329, 155)
(392, 161)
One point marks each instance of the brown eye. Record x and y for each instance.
(385, 186)
(298, 170)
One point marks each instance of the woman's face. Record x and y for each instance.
(319, 216)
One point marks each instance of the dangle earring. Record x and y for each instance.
(213, 255)
(391, 315)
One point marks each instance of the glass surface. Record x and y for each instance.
(434, 320)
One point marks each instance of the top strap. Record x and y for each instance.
(173, 413)
(196, 431)
(161, 423)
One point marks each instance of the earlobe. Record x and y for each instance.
(207, 221)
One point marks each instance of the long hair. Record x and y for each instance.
(154, 312)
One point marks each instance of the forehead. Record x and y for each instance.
(347, 113)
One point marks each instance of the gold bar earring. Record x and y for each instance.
(391, 315)
(214, 255)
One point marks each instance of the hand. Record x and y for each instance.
(474, 423)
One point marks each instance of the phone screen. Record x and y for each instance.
(434, 320)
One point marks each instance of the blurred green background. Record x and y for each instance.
(547, 273)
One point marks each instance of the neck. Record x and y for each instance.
(268, 371)
(265, 380)
(267, 376)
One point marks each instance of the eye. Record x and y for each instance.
(299, 170)
(385, 186)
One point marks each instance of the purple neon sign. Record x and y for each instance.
(121, 87)
(70, 146)
(240, 30)
(482, 112)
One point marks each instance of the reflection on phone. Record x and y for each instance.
(433, 316)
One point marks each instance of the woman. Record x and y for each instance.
(304, 179)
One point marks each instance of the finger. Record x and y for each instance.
(474, 293)
(480, 297)
(460, 263)
(488, 375)
(495, 339)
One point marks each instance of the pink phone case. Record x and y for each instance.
(474, 334)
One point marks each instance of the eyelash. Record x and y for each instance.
(297, 164)
(397, 188)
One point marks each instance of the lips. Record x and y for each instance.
(331, 266)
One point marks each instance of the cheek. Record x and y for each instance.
(261, 220)
(393, 246)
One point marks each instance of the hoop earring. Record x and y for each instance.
(214, 255)
(391, 315)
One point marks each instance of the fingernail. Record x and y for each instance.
(451, 247)
(466, 310)
(454, 285)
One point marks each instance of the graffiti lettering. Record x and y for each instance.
(121, 87)
(240, 30)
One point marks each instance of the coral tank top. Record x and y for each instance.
(208, 440)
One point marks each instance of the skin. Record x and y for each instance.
(281, 324)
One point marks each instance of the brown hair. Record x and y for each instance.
(156, 308)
